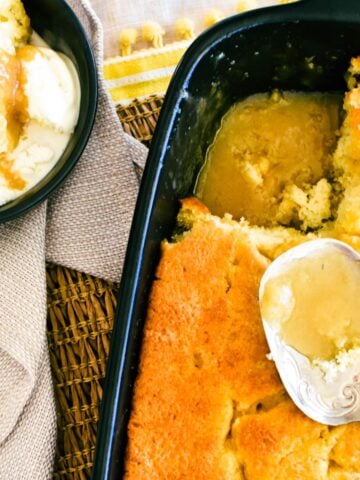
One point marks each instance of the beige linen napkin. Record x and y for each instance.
(84, 226)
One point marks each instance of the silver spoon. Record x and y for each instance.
(332, 402)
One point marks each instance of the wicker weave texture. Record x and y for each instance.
(80, 319)
(140, 116)
(81, 312)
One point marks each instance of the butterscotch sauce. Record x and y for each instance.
(26, 53)
(14, 179)
(13, 107)
(314, 304)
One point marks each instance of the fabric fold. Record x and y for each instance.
(28, 452)
(22, 320)
(90, 217)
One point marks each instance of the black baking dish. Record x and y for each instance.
(245, 54)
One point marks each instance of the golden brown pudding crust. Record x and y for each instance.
(208, 404)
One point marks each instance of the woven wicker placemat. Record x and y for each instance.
(81, 312)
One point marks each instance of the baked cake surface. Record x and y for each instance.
(208, 404)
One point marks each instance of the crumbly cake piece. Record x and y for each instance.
(347, 155)
(208, 404)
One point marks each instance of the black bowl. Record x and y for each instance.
(245, 54)
(58, 25)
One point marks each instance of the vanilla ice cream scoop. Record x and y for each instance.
(39, 103)
(39, 107)
(6, 37)
(51, 88)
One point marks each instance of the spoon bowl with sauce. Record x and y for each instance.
(310, 304)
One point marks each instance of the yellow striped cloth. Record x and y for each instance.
(148, 71)
(143, 72)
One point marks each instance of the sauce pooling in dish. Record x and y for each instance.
(271, 163)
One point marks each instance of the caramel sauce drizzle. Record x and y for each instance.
(14, 107)
(14, 179)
